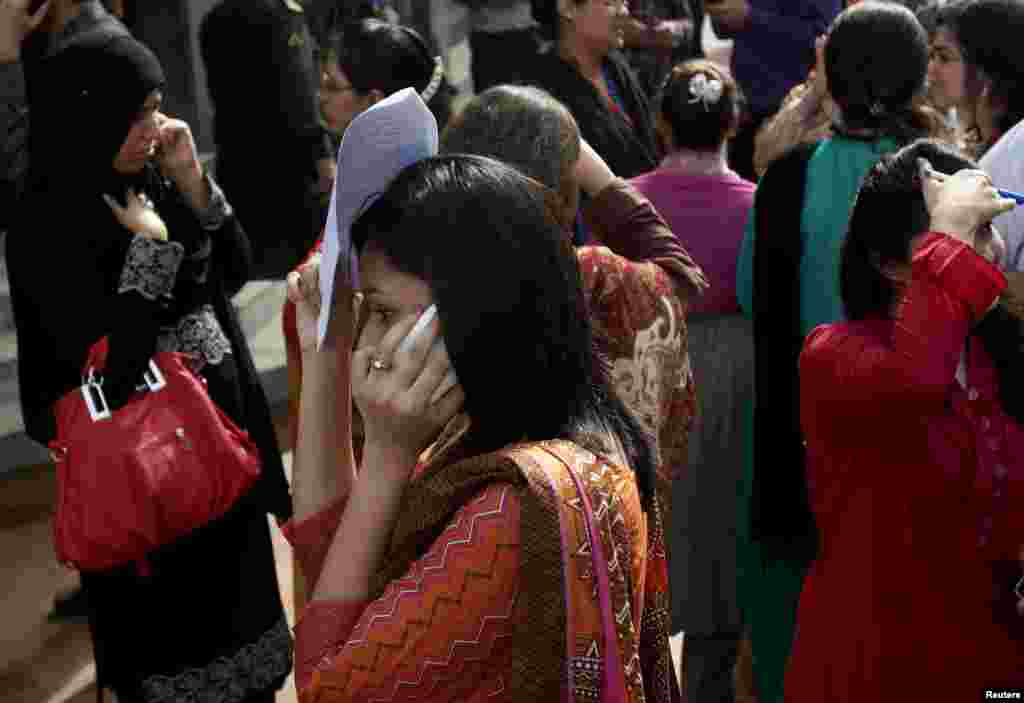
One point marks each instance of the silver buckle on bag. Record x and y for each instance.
(153, 378)
(95, 401)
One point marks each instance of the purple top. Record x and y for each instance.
(708, 214)
(775, 50)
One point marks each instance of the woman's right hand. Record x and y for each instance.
(959, 205)
(405, 394)
(138, 215)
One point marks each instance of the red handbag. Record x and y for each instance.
(139, 477)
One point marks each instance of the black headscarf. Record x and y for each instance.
(88, 97)
(84, 101)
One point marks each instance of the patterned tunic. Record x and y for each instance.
(453, 624)
(639, 289)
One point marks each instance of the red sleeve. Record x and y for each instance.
(311, 537)
(450, 609)
(951, 288)
(624, 220)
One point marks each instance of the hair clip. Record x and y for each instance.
(435, 80)
(705, 90)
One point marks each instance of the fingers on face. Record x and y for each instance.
(361, 359)
(389, 343)
(384, 349)
(450, 381)
(435, 371)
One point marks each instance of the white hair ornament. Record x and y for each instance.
(705, 90)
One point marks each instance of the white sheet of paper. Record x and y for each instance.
(380, 142)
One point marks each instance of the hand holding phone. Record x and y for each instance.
(425, 318)
(418, 330)
(407, 398)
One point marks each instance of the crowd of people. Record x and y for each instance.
(626, 344)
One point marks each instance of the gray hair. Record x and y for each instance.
(523, 126)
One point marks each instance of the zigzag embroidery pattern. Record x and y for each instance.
(431, 668)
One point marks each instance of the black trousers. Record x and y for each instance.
(709, 667)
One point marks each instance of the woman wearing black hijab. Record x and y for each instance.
(123, 236)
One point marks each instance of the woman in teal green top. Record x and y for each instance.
(876, 58)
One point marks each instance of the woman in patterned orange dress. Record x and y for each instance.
(495, 543)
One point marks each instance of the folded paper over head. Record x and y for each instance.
(380, 142)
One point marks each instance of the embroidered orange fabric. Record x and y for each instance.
(453, 624)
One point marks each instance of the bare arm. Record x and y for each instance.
(324, 468)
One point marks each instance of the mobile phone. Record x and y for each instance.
(426, 317)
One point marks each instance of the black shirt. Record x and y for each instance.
(263, 80)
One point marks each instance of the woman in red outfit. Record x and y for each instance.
(500, 540)
(914, 456)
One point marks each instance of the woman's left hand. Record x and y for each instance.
(393, 389)
(303, 286)
(138, 216)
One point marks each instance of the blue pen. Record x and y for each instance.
(1017, 197)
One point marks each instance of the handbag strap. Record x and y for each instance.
(614, 681)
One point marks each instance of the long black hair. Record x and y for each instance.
(378, 55)
(889, 212)
(876, 63)
(487, 241)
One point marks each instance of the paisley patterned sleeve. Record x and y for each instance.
(640, 314)
(441, 628)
